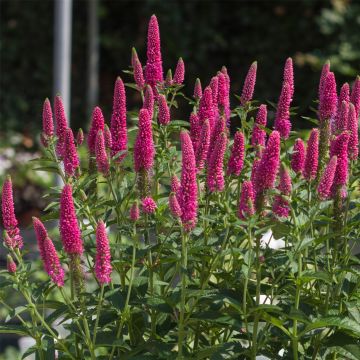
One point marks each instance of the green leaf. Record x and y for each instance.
(308, 276)
(332, 321)
(13, 329)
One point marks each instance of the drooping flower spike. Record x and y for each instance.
(102, 160)
(327, 178)
(237, 155)
(97, 124)
(47, 119)
(61, 125)
(247, 200)
(298, 156)
(71, 157)
(179, 74)
(312, 155)
(103, 266)
(163, 112)
(353, 128)
(282, 118)
(249, 84)
(148, 205)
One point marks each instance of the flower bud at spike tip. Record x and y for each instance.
(249, 84)
(102, 160)
(71, 158)
(327, 179)
(258, 136)
(61, 125)
(134, 212)
(282, 118)
(206, 109)
(246, 203)
(144, 150)
(153, 69)
(103, 256)
(298, 156)
(288, 76)
(68, 224)
(134, 57)
(79, 137)
(328, 98)
(175, 184)
(168, 79)
(187, 195)
(164, 112)
(236, 160)
(148, 205)
(9, 242)
(97, 124)
(10, 265)
(179, 74)
(203, 147)
(197, 90)
(118, 127)
(195, 130)
(47, 119)
(107, 137)
(312, 154)
(355, 96)
(353, 128)
(149, 101)
(174, 206)
(8, 214)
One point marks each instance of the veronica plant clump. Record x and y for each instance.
(169, 231)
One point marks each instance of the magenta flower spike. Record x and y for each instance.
(48, 253)
(153, 69)
(138, 70)
(206, 108)
(187, 194)
(281, 206)
(118, 127)
(268, 166)
(249, 84)
(214, 85)
(179, 74)
(355, 96)
(8, 214)
(8, 241)
(68, 224)
(97, 123)
(197, 90)
(327, 179)
(237, 155)
(149, 101)
(47, 119)
(353, 128)
(258, 136)
(344, 93)
(79, 137)
(328, 98)
(324, 72)
(215, 176)
(134, 212)
(61, 125)
(218, 129)
(247, 199)
(254, 169)
(175, 184)
(341, 119)
(174, 206)
(195, 130)
(222, 91)
(148, 205)
(71, 158)
(103, 266)
(312, 155)
(144, 150)
(298, 156)
(164, 112)
(227, 109)
(288, 76)
(203, 148)
(102, 160)
(282, 118)
(107, 137)
(10, 265)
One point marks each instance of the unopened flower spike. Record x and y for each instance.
(179, 74)
(163, 111)
(312, 154)
(102, 160)
(47, 120)
(97, 123)
(247, 200)
(71, 157)
(61, 125)
(79, 137)
(134, 212)
(107, 137)
(237, 155)
(249, 84)
(103, 266)
(169, 78)
(10, 265)
(298, 156)
(197, 90)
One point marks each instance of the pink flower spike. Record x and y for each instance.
(61, 125)
(215, 176)
(103, 256)
(327, 179)
(328, 98)
(174, 206)
(344, 93)
(197, 90)
(236, 160)
(118, 127)
(148, 205)
(97, 123)
(222, 91)
(281, 206)
(258, 136)
(134, 212)
(249, 84)
(187, 195)
(153, 69)
(282, 118)
(247, 199)
(138, 70)
(214, 85)
(288, 76)
(11, 265)
(107, 137)
(175, 184)
(149, 101)
(298, 156)
(179, 74)
(353, 128)
(324, 72)
(206, 108)
(355, 96)
(342, 117)
(195, 130)
(69, 228)
(203, 148)
(71, 158)
(164, 112)
(79, 137)
(47, 119)
(144, 150)
(102, 160)
(284, 181)
(312, 155)
(8, 214)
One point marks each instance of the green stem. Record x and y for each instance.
(101, 298)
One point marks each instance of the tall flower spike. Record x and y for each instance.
(249, 84)
(353, 128)
(258, 136)
(164, 112)
(118, 121)
(102, 160)
(69, 228)
(227, 109)
(328, 98)
(47, 119)
(103, 256)
(324, 72)
(298, 156)
(71, 158)
(197, 90)
(203, 148)
(107, 137)
(355, 96)
(327, 179)
(174, 206)
(195, 130)
(48, 253)
(288, 76)
(214, 85)
(148, 205)
(222, 91)
(149, 101)
(179, 74)
(138, 70)
(344, 93)
(61, 125)
(187, 195)
(97, 123)
(206, 108)
(218, 129)
(282, 118)
(8, 214)
(215, 176)
(247, 199)
(134, 212)
(236, 160)
(281, 206)
(153, 69)
(10, 265)
(342, 117)
(312, 154)
(144, 150)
